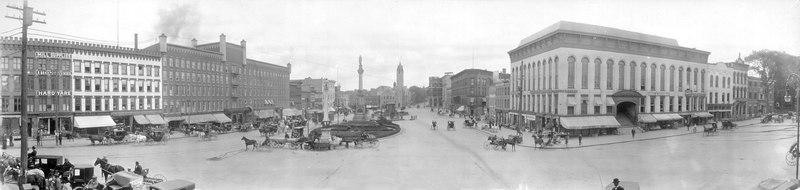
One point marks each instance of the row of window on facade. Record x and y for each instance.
(116, 103)
(544, 104)
(82, 103)
(207, 66)
(192, 106)
(540, 79)
(96, 84)
(95, 67)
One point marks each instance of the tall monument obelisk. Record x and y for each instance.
(361, 105)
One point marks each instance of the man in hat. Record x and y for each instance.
(616, 185)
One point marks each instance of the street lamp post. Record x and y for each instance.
(788, 98)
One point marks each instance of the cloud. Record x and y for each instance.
(180, 22)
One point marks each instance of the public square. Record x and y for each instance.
(421, 158)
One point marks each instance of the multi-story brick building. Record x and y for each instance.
(757, 103)
(217, 82)
(435, 92)
(313, 95)
(79, 87)
(447, 93)
(497, 96)
(573, 73)
(469, 91)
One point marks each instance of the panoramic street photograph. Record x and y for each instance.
(396, 95)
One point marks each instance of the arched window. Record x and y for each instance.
(621, 74)
(633, 75)
(571, 72)
(653, 68)
(556, 71)
(610, 74)
(716, 81)
(672, 78)
(695, 77)
(550, 74)
(585, 73)
(597, 67)
(644, 77)
(663, 76)
(680, 78)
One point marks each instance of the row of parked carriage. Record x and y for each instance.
(119, 136)
(57, 173)
(324, 141)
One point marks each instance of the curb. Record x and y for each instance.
(601, 144)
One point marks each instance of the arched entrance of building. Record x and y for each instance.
(627, 107)
(626, 113)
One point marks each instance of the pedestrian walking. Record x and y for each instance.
(59, 136)
(633, 133)
(580, 138)
(39, 137)
(566, 140)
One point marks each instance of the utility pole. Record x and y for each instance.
(27, 20)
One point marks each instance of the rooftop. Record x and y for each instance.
(595, 29)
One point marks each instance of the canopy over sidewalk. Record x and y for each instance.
(589, 122)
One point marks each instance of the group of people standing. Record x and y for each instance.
(59, 136)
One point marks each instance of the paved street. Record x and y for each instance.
(420, 158)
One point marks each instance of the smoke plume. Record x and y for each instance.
(179, 22)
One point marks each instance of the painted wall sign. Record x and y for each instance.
(53, 92)
(53, 55)
(45, 72)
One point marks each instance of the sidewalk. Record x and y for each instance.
(623, 137)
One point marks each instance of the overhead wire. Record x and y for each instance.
(10, 30)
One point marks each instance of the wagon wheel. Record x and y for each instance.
(790, 159)
(276, 145)
(374, 143)
(158, 178)
(486, 145)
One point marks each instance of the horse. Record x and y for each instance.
(709, 131)
(99, 138)
(538, 141)
(249, 142)
(513, 141)
(140, 138)
(108, 168)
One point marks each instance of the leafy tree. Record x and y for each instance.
(774, 68)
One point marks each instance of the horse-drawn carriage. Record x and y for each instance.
(470, 124)
(158, 136)
(244, 127)
(116, 134)
(728, 125)
(268, 129)
(708, 131)
(499, 142)
(291, 143)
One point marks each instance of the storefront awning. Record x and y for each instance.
(610, 101)
(94, 121)
(460, 108)
(667, 117)
(221, 118)
(141, 119)
(589, 122)
(291, 112)
(529, 117)
(261, 114)
(155, 119)
(646, 118)
(192, 119)
(170, 119)
(702, 114)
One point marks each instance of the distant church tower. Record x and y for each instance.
(399, 87)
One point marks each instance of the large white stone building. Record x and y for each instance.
(592, 79)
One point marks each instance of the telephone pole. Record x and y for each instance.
(27, 20)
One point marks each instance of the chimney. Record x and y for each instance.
(244, 52)
(289, 66)
(136, 41)
(222, 47)
(162, 43)
(194, 42)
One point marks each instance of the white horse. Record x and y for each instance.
(140, 138)
(130, 138)
(200, 135)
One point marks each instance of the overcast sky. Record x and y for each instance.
(323, 39)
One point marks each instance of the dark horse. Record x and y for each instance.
(513, 141)
(99, 138)
(249, 142)
(108, 168)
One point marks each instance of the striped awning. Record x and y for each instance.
(192, 119)
(94, 121)
(141, 119)
(291, 112)
(702, 114)
(265, 113)
(667, 117)
(646, 118)
(589, 122)
(155, 119)
(221, 118)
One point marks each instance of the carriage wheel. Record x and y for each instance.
(790, 159)
(486, 145)
(159, 178)
(374, 143)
